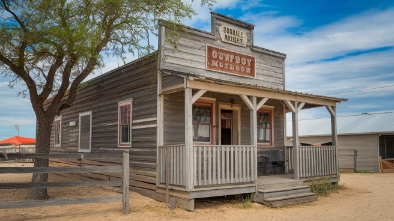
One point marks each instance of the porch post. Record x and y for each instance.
(189, 161)
(294, 109)
(334, 134)
(253, 129)
(296, 141)
(253, 106)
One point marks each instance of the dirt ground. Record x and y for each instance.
(365, 196)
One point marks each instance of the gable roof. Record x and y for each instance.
(366, 123)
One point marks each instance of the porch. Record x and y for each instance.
(213, 137)
(218, 166)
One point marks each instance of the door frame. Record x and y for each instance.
(236, 108)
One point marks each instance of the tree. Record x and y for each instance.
(52, 46)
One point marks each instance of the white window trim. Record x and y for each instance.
(121, 103)
(79, 133)
(57, 118)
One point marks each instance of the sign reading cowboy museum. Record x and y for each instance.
(232, 35)
(230, 62)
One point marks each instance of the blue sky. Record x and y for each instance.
(336, 48)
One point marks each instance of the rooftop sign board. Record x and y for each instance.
(230, 62)
(233, 36)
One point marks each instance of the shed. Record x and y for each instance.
(371, 134)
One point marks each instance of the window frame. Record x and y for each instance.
(271, 122)
(212, 123)
(57, 121)
(121, 104)
(87, 113)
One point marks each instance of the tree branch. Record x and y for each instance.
(14, 15)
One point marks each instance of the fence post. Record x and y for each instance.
(355, 160)
(126, 177)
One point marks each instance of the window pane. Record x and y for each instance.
(202, 133)
(264, 127)
(57, 132)
(125, 134)
(124, 124)
(202, 122)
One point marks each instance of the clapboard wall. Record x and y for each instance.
(136, 80)
(188, 55)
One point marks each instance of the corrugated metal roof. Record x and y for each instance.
(365, 123)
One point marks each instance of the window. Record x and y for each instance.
(85, 132)
(58, 131)
(264, 127)
(202, 122)
(124, 123)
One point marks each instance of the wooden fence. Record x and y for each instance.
(213, 164)
(123, 168)
(314, 160)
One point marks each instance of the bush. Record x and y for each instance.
(323, 187)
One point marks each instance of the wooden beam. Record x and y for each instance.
(58, 184)
(278, 95)
(261, 103)
(197, 95)
(126, 180)
(290, 106)
(331, 110)
(83, 169)
(300, 106)
(295, 141)
(37, 203)
(189, 160)
(247, 101)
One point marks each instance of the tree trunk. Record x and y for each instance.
(43, 140)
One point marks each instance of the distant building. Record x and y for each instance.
(371, 134)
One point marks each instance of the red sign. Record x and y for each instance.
(230, 62)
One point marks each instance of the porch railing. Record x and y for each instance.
(213, 164)
(314, 160)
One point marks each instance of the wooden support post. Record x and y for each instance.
(355, 160)
(296, 155)
(334, 135)
(189, 160)
(253, 131)
(126, 177)
(167, 165)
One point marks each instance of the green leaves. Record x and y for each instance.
(52, 46)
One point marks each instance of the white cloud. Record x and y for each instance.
(365, 31)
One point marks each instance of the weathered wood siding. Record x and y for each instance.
(101, 95)
(169, 81)
(174, 118)
(367, 147)
(189, 57)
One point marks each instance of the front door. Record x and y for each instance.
(226, 126)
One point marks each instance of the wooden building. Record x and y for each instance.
(370, 134)
(203, 116)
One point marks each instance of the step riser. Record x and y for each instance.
(284, 193)
(290, 201)
(280, 185)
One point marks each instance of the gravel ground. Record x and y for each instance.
(364, 196)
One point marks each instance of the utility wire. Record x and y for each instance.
(365, 89)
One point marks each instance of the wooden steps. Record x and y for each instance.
(290, 199)
(279, 192)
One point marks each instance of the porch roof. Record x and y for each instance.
(311, 100)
